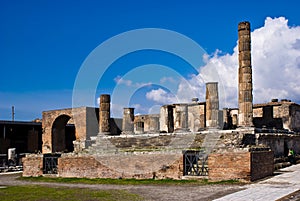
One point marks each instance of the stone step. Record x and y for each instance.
(174, 143)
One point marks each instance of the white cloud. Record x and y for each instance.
(130, 83)
(137, 106)
(120, 80)
(275, 64)
(167, 79)
(161, 96)
(276, 60)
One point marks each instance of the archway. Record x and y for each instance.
(63, 134)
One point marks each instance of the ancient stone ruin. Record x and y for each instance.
(186, 140)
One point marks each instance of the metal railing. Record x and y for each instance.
(195, 163)
(50, 162)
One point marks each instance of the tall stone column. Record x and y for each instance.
(212, 105)
(128, 121)
(104, 114)
(245, 115)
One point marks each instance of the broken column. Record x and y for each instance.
(212, 105)
(128, 121)
(104, 114)
(245, 115)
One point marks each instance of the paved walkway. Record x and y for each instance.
(283, 184)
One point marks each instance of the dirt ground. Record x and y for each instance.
(148, 192)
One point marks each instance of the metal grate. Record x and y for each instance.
(50, 163)
(195, 163)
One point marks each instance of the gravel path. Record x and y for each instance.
(149, 192)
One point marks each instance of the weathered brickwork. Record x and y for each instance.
(262, 164)
(144, 166)
(230, 165)
(85, 120)
(32, 165)
(241, 165)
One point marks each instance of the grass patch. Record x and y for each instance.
(41, 193)
(127, 181)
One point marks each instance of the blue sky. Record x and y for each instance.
(43, 44)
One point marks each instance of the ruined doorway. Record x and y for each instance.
(63, 134)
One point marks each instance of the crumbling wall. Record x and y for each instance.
(266, 118)
(141, 166)
(280, 143)
(280, 115)
(84, 119)
(146, 123)
(32, 165)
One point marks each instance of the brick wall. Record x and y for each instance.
(262, 164)
(82, 167)
(142, 166)
(230, 165)
(32, 165)
(244, 165)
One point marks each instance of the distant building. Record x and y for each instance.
(25, 136)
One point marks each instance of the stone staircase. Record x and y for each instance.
(210, 141)
(140, 144)
(102, 146)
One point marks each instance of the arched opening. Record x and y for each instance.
(63, 134)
